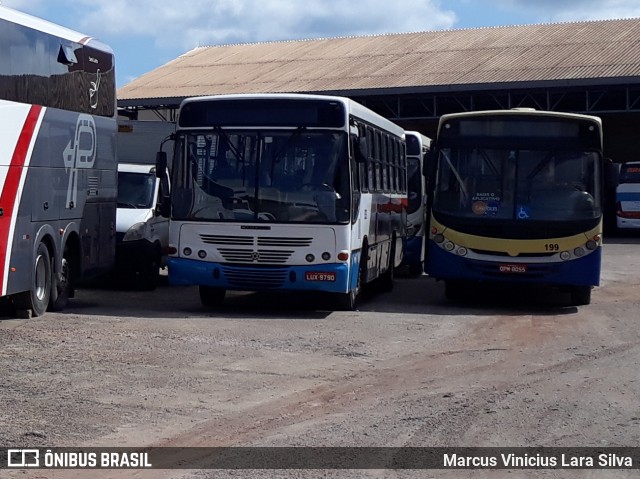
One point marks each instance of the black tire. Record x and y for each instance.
(580, 295)
(37, 299)
(62, 286)
(388, 278)
(351, 300)
(416, 269)
(149, 278)
(211, 297)
(454, 290)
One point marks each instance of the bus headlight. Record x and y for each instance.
(438, 238)
(462, 251)
(579, 252)
(449, 246)
(565, 255)
(591, 245)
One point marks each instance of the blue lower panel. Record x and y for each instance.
(328, 277)
(413, 250)
(578, 272)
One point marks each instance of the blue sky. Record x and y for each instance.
(146, 34)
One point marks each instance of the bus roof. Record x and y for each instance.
(351, 106)
(29, 21)
(521, 112)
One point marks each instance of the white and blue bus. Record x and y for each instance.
(57, 161)
(285, 192)
(517, 198)
(628, 197)
(418, 147)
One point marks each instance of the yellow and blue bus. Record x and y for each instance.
(517, 198)
(285, 192)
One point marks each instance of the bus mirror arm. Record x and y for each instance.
(163, 207)
(161, 164)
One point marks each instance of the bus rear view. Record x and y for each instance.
(517, 199)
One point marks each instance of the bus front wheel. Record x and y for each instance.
(210, 296)
(454, 290)
(350, 300)
(580, 295)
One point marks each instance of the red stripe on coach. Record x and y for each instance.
(12, 183)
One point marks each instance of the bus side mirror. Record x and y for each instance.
(161, 164)
(163, 207)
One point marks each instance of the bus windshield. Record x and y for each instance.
(281, 175)
(510, 184)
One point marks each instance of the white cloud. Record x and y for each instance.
(575, 10)
(212, 22)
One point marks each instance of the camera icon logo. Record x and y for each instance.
(23, 458)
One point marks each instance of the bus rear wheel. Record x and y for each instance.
(62, 287)
(210, 296)
(37, 298)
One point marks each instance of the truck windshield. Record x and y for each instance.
(135, 190)
(520, 185)
(279, 176)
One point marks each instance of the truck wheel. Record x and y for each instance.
(37, 299)
(210, 296)
(150, 277)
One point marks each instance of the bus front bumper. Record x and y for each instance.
(583, 271)
(332, 278)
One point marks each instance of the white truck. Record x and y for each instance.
(142, 234)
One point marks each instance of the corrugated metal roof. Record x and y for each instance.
(527, 53)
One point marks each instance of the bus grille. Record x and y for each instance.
(233, 255)
(234, 240)
(259, 240)
(255, 249)
(255, 278)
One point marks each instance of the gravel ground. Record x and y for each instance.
(507, 368)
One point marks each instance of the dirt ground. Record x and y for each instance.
(506, 368)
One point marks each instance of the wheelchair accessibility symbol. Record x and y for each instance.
(524, 213)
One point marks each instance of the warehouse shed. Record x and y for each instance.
(413, 78)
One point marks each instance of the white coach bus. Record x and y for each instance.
(285, 192)
(57, 161)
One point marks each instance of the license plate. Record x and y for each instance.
(319, 276)
(512, 268)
